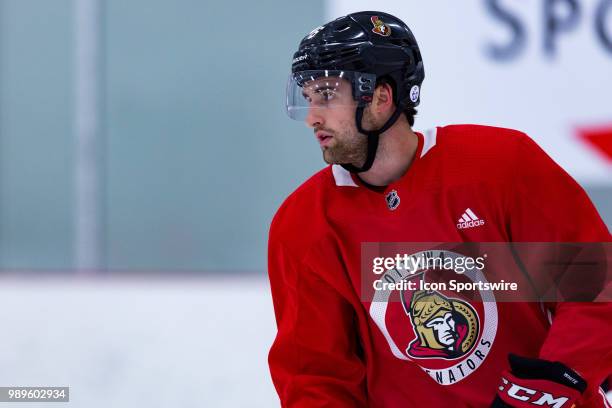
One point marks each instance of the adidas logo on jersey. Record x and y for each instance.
(469, 220)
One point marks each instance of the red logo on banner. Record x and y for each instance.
(599, 138)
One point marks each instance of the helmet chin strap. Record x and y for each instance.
(373, 137)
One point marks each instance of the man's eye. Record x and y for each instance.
(327, 94)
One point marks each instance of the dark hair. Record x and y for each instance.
(410, 112)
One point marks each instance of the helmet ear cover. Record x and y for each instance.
(363, 87)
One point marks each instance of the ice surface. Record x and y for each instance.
(139, 342)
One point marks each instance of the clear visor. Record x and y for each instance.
(326, 89)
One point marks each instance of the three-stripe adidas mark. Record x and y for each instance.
(469, 220)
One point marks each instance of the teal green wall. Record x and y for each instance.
(198, 150)
(36, 148)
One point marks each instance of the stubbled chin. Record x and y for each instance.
(327, 158)
(328, 161)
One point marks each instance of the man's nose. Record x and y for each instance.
(314, 118)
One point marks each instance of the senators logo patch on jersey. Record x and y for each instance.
(449, 336)
(380, 27)
(444, 327)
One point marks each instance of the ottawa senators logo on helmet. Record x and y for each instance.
(444, 327)
(380, 27)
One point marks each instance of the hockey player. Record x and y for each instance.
(356, 82)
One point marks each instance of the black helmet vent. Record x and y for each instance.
(328, 57)
(342, 28)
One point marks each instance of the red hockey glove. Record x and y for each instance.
(534, 383)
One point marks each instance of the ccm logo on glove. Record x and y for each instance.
(536, 382)
(535, 397)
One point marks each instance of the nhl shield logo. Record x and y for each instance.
(393, 200)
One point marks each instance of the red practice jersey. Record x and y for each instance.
(466, 183)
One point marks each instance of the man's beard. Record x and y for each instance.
(347, 148)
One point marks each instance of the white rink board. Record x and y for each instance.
(545, 95)
(140, 343)
(129, 344)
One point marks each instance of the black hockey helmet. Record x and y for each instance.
(362, 48)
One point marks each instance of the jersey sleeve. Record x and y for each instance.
(547, 205)
(314, 360)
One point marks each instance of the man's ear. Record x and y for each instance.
(382, 101)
